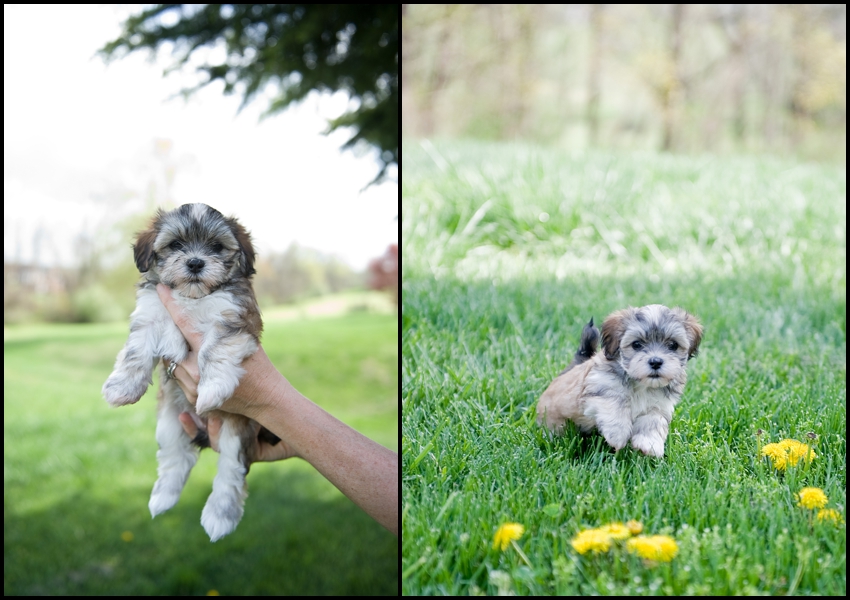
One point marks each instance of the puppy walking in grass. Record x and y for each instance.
(629, 388)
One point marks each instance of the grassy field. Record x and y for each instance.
(78, 474)
(508, 251)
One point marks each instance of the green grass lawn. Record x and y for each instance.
(78, 474)
(508, 251)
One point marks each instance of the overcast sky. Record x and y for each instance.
(81, 141)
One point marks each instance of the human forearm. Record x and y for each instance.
(360, 468)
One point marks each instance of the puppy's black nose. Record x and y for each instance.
(195, 264)
(655, 363)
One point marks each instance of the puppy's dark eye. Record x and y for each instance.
(637, 345)
(175, 245)
(217, 247)
(673, 346)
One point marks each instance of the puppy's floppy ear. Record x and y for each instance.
(692, 327)
(243, 238)
(613, 329)
(143, 253)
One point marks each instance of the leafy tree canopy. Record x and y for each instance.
(298, 47)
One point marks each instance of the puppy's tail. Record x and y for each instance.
(587, 347)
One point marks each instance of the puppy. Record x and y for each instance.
(207, 260)
(629, 389)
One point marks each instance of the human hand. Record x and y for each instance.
(360, 468)
(258, 372)
(262, 451)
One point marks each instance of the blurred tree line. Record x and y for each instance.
(710, 77)
(91, 293)
(299, 273)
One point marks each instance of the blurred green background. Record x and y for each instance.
(78, 474)
(674, 77)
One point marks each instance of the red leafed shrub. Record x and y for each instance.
(383, 272)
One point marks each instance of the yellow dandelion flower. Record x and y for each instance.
(660, 548)
(830, 514)
(635, 527)
(812, 498)
(594, 540)
(506, 533)
(796, 451)
(776, 454)
(617, 531)
(787, 452)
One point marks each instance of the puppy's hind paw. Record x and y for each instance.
(163, 497)
(220, 517)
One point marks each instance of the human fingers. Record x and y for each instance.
(187, 376)
(214, 430)
(188, 424)
(180, 319)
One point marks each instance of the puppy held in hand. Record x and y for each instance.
(207, 260)
(628, 389)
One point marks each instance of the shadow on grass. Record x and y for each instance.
(287, 543)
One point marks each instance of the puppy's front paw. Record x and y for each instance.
(221, 515)
(120, 389)
(207, 402)
(617, 437)
(649, 445)
(212, 394)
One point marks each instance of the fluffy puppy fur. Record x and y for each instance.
(207, 260)
(629, 388)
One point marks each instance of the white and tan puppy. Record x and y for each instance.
(207, 260)
(628, 389)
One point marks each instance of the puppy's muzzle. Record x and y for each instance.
(656, 364)
(195, 265)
